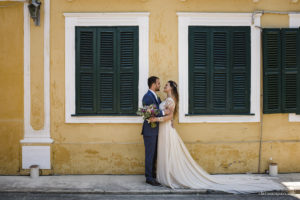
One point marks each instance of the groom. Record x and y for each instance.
(150, 135)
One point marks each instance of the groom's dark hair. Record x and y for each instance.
(151, 80)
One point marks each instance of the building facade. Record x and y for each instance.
(71, 86)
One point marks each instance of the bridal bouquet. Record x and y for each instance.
(147, 112)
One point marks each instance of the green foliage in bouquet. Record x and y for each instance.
(147, 112)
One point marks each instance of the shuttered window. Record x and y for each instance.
(281, 64)
(219, 70)
(106, 70)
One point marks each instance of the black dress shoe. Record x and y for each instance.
(153, 182)
(158, 184)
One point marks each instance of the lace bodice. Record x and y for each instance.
(169, 104)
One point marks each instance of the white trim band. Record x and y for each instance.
(38, 135)
(294, 22)
(140, 19)
(36, 155)
(186, 19)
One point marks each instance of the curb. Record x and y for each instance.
(132, 192)
(135, 192)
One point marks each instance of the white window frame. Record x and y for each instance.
(186, 19)
(140, 19)
(294, 22)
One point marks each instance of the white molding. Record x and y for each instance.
(72, 20)
(29, 132)
(186, 19)
(27, 106)
(40, 140)
(108, 15)
(36, 155)
(15, 0)
(47, 65)
(294, 22)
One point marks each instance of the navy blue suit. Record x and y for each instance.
(150, 136)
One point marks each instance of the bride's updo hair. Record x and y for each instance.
(173, 85)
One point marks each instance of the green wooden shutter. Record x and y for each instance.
(290, 66)
(106, 70)
(272, 71)
(128, 69)
(220, 71)
(298, 78)
(281, 70)
(85, 70)
(199, 70)
(240, 70)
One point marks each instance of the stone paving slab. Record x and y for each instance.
(115, 184)
(104, 184)
(291, 181)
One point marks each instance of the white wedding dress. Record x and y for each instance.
(177, 169)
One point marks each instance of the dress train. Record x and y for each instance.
(177, 169)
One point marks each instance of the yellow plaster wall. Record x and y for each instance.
(11, 86)
(118, 148)
(275, 21)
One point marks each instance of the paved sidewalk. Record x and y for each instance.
(115, 184)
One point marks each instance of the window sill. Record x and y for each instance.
(111, 119)
(219, 118)
(103, 114)
(215, 114)
(294, 117)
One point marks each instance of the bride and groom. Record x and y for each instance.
(175, 166)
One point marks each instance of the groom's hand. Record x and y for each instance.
(152, 119)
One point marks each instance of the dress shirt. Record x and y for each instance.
(163, 113)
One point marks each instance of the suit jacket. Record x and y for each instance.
(149, 99)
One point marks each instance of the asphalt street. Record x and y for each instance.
(65, 196)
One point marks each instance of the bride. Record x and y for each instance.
(177, 169)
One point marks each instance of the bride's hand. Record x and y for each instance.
(167, 111)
